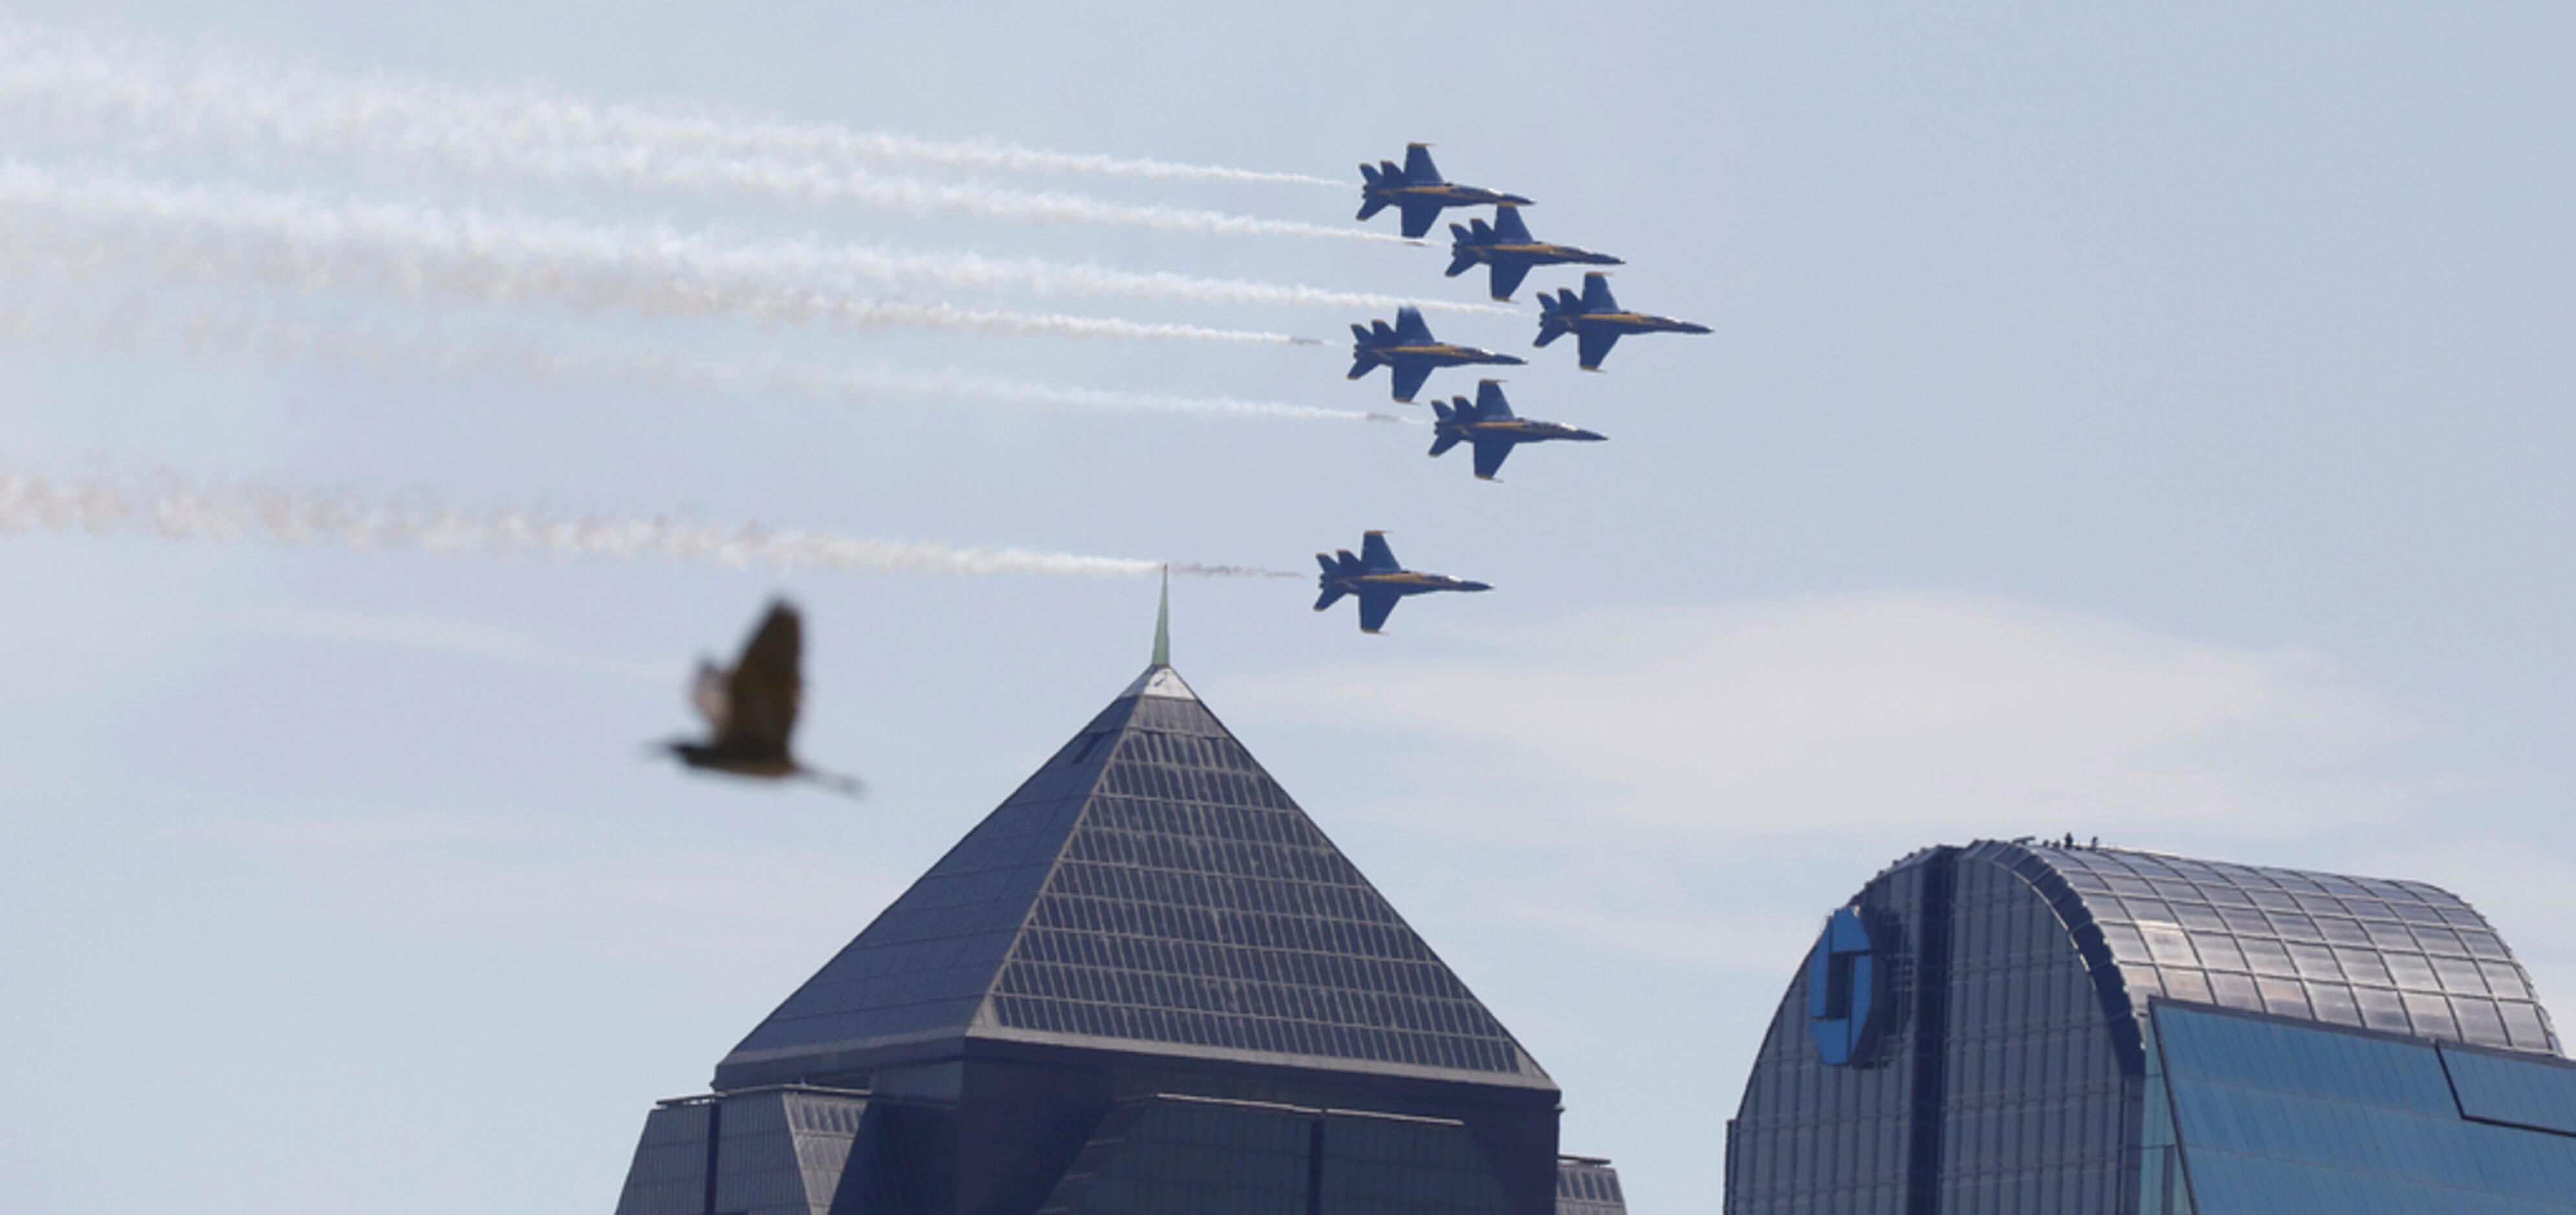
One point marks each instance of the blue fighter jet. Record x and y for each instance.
(1409, 352)
(1508, 247)
(1488, 423)
(1597, 321)
(1378, 580)
(1418, 194)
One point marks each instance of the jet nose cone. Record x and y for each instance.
(1475, 586)
(1694, 327)
(1516, 200)
(1589, 436)
(1511, 360)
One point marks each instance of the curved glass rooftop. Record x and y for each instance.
(2397, 956)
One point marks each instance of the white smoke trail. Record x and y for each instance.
(175, 510)
(131, 329)
(285, 240)
(73, 86)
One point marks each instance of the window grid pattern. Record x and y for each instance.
(2037, 1117)
(1588, 1187)
(1194, 903)
(1810, 1138)
(2401, 957)
(2279, 1115)
(925, 964)
(1166, 1157)
(1406, 1166)
(1150, 883)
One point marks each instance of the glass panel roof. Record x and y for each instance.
(1149, 884)
(2393, 955)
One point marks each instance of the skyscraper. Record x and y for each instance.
(1147, 982)
(2035, 1028)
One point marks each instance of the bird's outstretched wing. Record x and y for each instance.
(766, 686)
(710, 693)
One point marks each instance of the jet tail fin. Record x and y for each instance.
(1596, 293)
(1409, 325)
(1418, 169)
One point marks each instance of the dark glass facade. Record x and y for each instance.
(1147, 982)
(2262, 1113)
(1994, 1056)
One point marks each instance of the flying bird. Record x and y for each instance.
(751, 709)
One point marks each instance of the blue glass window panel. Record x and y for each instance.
(2521, 1091)
(2276, 1117)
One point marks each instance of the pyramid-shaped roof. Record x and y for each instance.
(1149, 889)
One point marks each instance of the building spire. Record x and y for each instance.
(1163, 623)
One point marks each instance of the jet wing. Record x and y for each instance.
(1375, 607)
(1410, 374)
(1418, 217)
(1377, 556)
(1508, 273)
(1490, 405)
(1593, 345)
(1508, 226)
(1596, 293)
(1490, 454)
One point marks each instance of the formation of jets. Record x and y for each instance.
(751, 708)
(1410, 354)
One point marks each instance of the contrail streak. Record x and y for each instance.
(285, 240)
(73, 86)
(131, 329)
(175, 510)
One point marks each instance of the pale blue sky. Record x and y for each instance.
(2150, 425)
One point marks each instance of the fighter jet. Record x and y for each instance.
(1488, 423)
(1417, 192)
(1409, 352)
(1508, 247)
(1378, 580)
(1597, 321)
(751, 709)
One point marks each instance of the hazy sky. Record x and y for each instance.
(2145, 425)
